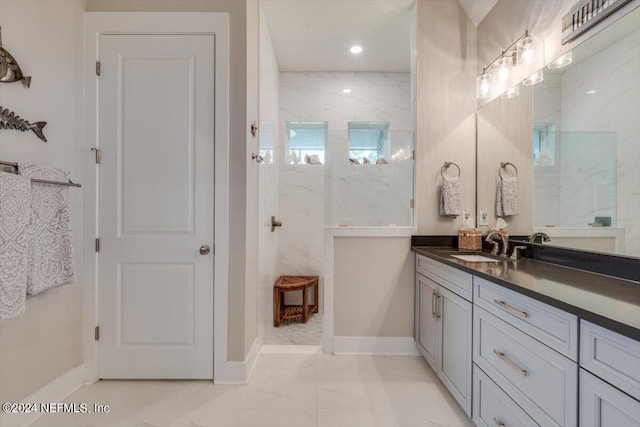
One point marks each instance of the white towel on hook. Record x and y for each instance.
(15, 202)
(450, 196)
(51, 244)
(507, 202)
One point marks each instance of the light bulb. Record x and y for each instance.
(526, 51)
(561, 62)
(483, 86)
(347, 90)
(534, 78)
(356, 49)
(504, 67)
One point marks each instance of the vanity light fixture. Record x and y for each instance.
(534, 78)
(356, 49)
(561, 62)
(512, 92)
(522, 52)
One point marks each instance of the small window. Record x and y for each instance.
(544, 144)
(368, 142)
(306, 142)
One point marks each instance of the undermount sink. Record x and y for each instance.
(475, 258)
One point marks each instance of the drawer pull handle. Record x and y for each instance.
(511, 364)
(433, 309)
(498, 422)
(510, 309)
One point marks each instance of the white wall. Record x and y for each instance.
(45, 36)
(446, 106)
(373, 287)
(269, 183)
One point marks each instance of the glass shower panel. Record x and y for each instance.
(369, 195)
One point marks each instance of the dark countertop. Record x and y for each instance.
(604, 300)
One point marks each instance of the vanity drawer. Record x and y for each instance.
(611, 356)
(540, 380)
(602, 405)
(551, 326)
(492, 407)
(451, 278)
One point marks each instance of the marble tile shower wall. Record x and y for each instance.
(619, 91)
(313, 196)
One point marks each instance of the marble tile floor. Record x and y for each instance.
(296, 333)
(285, 390)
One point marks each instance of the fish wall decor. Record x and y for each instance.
(10, 71)
(9, 120)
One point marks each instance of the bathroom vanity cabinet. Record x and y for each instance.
(511, 359)
(443, 335)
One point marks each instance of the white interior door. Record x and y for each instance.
(156, 192)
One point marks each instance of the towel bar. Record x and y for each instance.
(42, 181)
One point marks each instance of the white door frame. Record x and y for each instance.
(96, 24)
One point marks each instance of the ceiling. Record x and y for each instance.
(477, 9)
(315, 35)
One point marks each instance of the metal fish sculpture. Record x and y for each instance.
(9, 120)
(9, 69)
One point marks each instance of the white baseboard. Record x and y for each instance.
(291, 349)
(380, 346)
(54, 392)
(239, 372)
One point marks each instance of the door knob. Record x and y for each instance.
(204, 249)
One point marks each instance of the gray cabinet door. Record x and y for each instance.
(601, 405)
(428, 322)
(455, 315)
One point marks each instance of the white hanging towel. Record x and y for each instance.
(15, 201)
(51, 261)
(450, 196)
(507, 202)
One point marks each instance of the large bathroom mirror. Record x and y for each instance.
(574, 140)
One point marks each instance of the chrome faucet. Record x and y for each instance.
(544, 237)
(505, 243)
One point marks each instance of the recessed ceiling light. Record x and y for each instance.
(356, 49)
(347, 90)
(591, 92)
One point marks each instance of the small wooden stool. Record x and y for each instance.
(282, 312)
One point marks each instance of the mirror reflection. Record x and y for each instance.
(575, 138)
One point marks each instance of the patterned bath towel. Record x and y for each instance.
(51, 247)
(507, 202)
(15, 201)
(450, 196)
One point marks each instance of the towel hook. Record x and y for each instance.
(503, 165)
(446, 166)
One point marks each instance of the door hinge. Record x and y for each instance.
(98, 244)
(98, 154)
(96, 333)
(413, 155)
(412, 203)
(97, 68)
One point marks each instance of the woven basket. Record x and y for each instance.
(470, 240)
